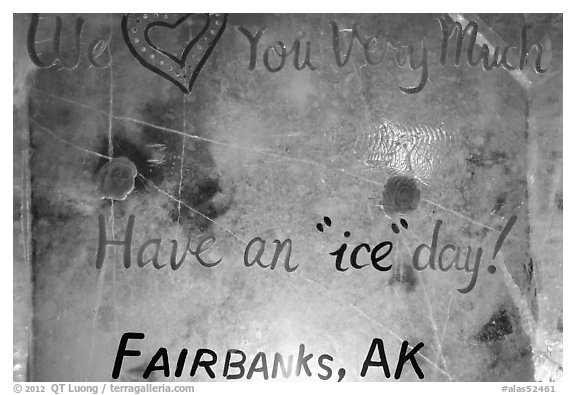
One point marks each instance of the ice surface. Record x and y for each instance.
(253, 153)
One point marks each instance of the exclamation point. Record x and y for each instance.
(501, 238)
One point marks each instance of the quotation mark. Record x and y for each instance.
(404, 224)
(328, 223)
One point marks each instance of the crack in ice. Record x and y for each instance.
(430, 312)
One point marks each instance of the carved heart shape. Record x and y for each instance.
(180, 69)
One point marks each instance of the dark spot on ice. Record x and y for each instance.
(401, 195)
(58, 213)
(559, 201)
(51, 113)
(405, 276)
(500, 200)
(204, 191)
(214, 210)
(497, 328)
(199, 195)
